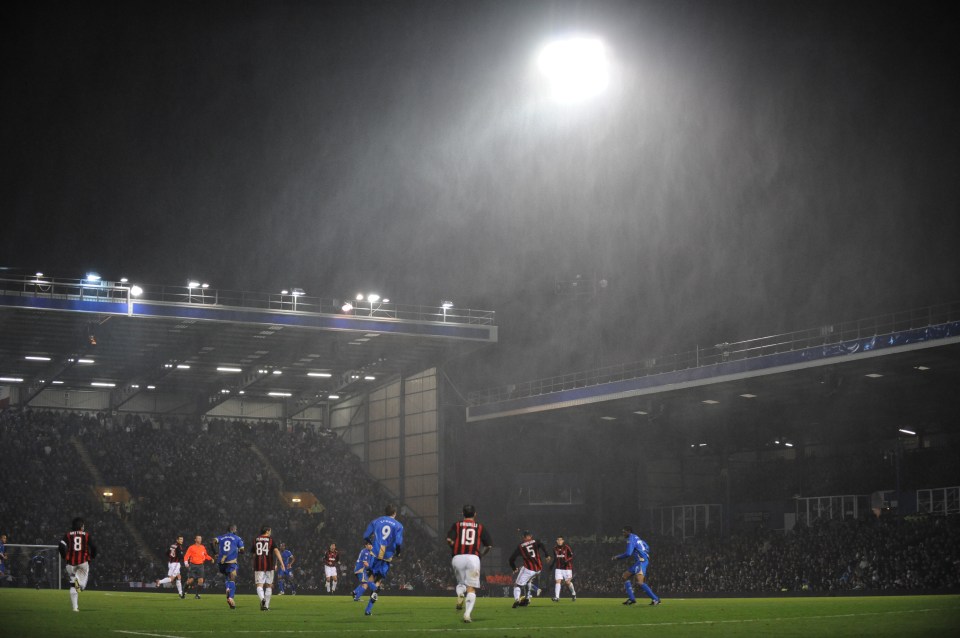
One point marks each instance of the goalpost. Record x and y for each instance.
(37, 566)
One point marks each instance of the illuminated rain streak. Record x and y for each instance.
(748, 169)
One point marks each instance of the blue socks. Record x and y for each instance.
(231, 588)
(645, 587)
(628, 587)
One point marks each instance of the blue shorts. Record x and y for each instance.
(379, 568)
(285, 573)
(639, 567)
(228, 568)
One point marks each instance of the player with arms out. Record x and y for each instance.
(469, 541)
(639, 552)
(385, 535)
(77, 550)
(174, 559)
(285, 574)
(264, 553)
(229, 547)
(529, 550)
(193, 559)
(331, 565)
(563, 569)
(363, 564)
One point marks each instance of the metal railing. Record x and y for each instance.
(128, 292)
(827, 335)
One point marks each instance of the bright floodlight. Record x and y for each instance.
(136, 291)
(373, 297)
(577, 68)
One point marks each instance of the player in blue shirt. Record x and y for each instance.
(385, 535)
(364, 562)
(285, 576)
(3, 554)
(639, 552)
(229, 546)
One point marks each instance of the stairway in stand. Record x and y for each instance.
(142, 547)
(266, 462)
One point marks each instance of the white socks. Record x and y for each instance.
(74, 597)
(260, 591)
(179, 587)
(471, 599)
(266, 597)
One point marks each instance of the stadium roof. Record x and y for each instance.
(871, 376)
(199, 341)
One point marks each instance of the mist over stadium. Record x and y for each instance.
(690, 267)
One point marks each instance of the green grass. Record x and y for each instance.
(29, 613)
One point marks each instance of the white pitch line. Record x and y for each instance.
(144, 633)
(461, 628)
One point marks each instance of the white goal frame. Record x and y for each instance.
(31, 547)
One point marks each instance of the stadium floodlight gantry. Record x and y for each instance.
(118, 345)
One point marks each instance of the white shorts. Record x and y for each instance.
(330, 571)
(466, 567)
(81, 572)
(563, 574)
(263, 578)
(173, 570)
(524, 576)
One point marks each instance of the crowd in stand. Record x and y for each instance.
(912, 553)
(191, 477)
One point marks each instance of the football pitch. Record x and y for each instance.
(30, 613)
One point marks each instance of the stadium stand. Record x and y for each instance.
(191, 478)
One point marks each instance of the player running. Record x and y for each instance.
(469, 541)
(563, 569)
(77, 550)
(529, 549)
(385, 535)
(229, 547)
(174, 559)
(264, 553)
(364, 562)
(639, 551)
(285, 575)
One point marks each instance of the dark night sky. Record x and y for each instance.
(755, 167)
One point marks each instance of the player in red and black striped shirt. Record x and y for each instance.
(264, 553)
(331, 566)
(563, 569)
(468, 541)
(530, 550)
(77, 549)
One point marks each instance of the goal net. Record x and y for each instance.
(38, 566)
